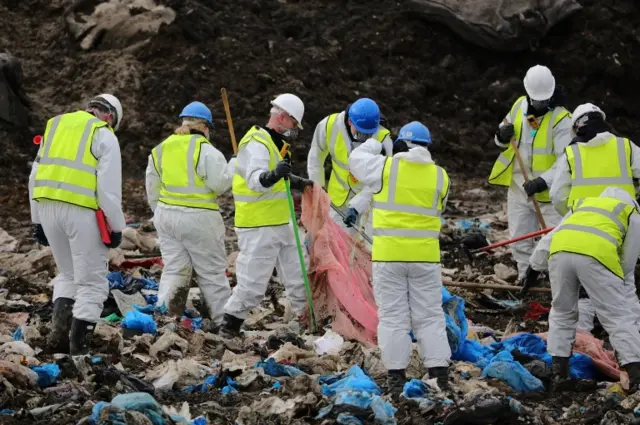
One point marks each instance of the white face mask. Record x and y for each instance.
(291, 133)
(540, 105)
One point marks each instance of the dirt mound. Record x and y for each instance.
(328, 52)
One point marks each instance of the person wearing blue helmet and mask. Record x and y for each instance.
(185, 175)
(337, 135)
(410, 195)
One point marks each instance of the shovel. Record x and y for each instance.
(471, 252)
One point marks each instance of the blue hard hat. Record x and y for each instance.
(364, 114)
(197, 110)
(415, 132)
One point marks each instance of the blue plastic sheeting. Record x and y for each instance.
(139, 402)
(474, 223)
(352, 379)
(17, 335)
(47, 374)
(274, 369)
(8, 412)
(503, 367)
(140, 321)
(356, 389)
(203, 387)
(119, 281)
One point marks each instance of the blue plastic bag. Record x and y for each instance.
(274, 369)
(47, 374)
(353, 379)
(137, 320)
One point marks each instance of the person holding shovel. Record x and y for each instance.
(540, 126)
(262, 219)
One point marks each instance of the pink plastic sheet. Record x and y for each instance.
(341, 291)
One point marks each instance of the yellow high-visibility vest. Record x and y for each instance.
(543, 156)
(260, 209)
(175, 160)
(407, 210)
(594, 168)
(341, 180)
(66, 167)
(596, 228)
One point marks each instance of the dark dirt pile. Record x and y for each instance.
(328, 52)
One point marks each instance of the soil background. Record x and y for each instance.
(327, 52)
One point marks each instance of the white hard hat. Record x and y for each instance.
(292, 105)
(539, 83)
(111, 102)
(584, 109)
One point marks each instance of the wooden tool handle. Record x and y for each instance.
(481, 286)
(227, 111)
(536, 205)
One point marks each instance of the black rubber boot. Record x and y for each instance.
(633, 369)
(559, 372)
(230, 327)
(396, 379)
(58, 339)
(81, 333)
(442, 376)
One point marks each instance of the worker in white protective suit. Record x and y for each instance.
(338, 134)
(410, 195)
(77, 172)
(262, 217)
(597, 245)
(185, 175)
(594, 160)
(541, 126)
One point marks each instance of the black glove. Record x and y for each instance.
(269, 178)
(529, 280)
(474, 240)
(299, 183)
(400, 146)
(37, 232)
(505, 133)
(116, 238)
(534, 186)
(351, 217)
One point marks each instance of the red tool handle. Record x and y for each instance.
(105, 232)
(510, 241)
(37, 139)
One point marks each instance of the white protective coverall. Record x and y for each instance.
(192, 239)
(615, 300)
(72, 231)
(262, 248)
(521, 215)
(318, 154)
(408, 295)
(561, 186)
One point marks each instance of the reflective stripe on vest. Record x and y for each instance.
(66, 167)
(341, 181)
(260, 209)
(593, 223)
(180, 184)
(407, 210)
(543, 156)
(594, 168)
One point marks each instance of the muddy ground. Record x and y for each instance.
(329, 53)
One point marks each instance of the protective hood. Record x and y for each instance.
(619, 194)
(417, 154)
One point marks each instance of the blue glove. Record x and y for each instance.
(38, 235)
(351, 217)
